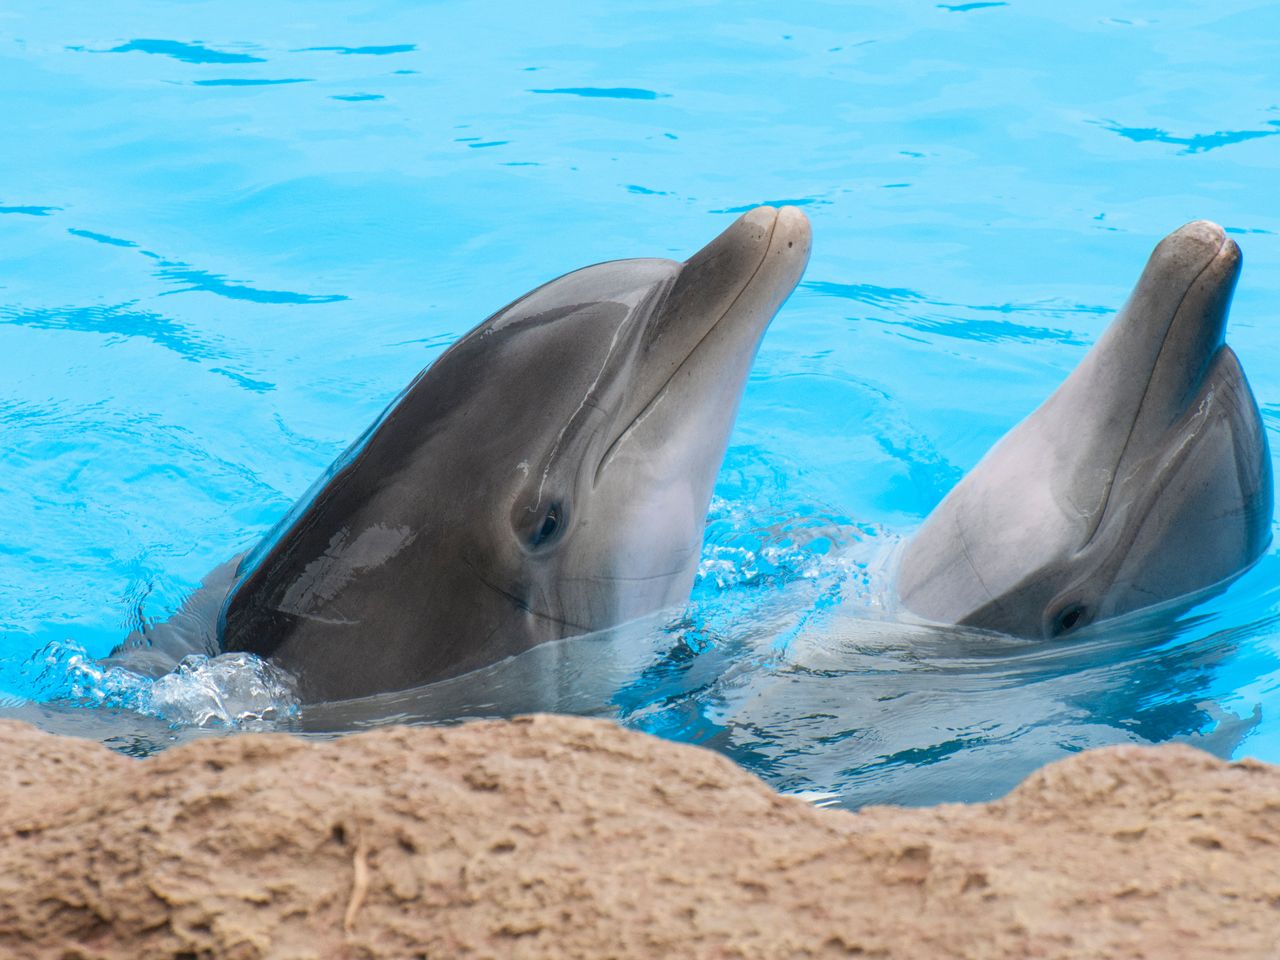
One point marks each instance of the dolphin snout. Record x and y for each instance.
(739, 279)
(792, 240)
(699, 347)
(781, 228)
(1204, 234)
(1196, 267)
(1151, 361)
(1202, 256)
(783, 261)
(1150, 366)
(1198, 264)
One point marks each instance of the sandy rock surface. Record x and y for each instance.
(562, 837)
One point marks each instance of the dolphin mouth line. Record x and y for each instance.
(1112, 554)
(1137, 414)
(658, 394)
(603, 578)
(520, 604)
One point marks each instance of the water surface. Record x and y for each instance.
(231, 232)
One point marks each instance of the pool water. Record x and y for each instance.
(232, 232)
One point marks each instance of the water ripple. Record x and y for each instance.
(186, 52)
(617, 93)
(101, 238)
(123, 320)
(176, 271)
(248, 82)
(363, 51)
(205, 282)
(1195, 143)
(909, 310)
(797, 202)
(31, 211)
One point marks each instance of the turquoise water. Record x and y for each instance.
(231, 232)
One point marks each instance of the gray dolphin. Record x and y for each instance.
(1143, 478)
(548, 475)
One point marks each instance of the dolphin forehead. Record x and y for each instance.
(554, 368)
(636, 284)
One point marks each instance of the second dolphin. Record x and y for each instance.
(1143, 478)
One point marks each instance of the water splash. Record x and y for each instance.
(235, 691)
(746, 548)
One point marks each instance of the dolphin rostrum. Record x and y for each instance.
(1143, 478)
(548, 475)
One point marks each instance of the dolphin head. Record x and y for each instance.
(548, 475)
(1143, 478)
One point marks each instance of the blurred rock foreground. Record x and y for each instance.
(560, 837)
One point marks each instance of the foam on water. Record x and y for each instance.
(236, 691)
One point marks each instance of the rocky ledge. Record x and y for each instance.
(559, 837)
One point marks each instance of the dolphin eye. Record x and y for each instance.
(549, 529)
(1068, 618)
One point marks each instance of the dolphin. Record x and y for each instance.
(1145, 477)
(549, 475)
